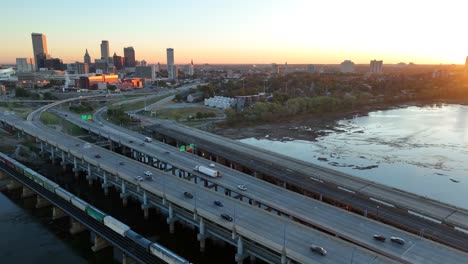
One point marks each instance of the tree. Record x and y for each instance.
(111, 87)
(20, 92)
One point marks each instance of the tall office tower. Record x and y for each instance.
(347, 66)
(24, 65)
(170, 63)
(39, 42)
(285, 67)
(118, 61)
(129, 55)
(105, 50)
(143, 63)
(87, 58)
(275, 68)
(376, 66)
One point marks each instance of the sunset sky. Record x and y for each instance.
(242, 31)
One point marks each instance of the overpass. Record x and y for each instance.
(297, 207)
(253, 231)
(125, 245)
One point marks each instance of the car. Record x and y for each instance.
(77, 144)
(131, 141)
(218, 203)
(212, 165)
(397, 240)
(318, 249)
(167, 152)
(148, 173)
(241, 187)
(188, 195)
(66, 115)
(97, 156)
(379, 238)
(139, 178)
(226, 217)
(122, 163)
(142, 143)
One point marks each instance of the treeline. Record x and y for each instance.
(272, 111)
(81, 108)
(118, 115)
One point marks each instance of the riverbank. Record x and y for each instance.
(310, 127)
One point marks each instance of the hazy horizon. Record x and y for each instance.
(245, 32)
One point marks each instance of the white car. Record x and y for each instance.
(148, 173)
(139, 178)
(241, 187)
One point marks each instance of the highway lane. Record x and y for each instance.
(348, 225)
(251, 222)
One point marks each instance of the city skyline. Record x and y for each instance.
(257, 32)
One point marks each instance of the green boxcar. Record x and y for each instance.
(28, 173)
(95, 213)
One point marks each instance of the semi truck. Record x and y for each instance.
(207, 171)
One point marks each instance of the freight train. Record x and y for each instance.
(112, 223)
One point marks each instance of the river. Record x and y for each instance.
(422, 150)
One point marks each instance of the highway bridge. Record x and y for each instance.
(440, 222)
(273, 199)
(255, 232)
(125, 245)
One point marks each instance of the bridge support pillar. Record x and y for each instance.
(321, 197)
(52, 153)
(63, 162)
(365, 212)
(145, 206)
(75, 167)
(76, 227)
(127, 260)
(26, 192)
(42, 148)
(57, 213)
(170, 219)
(41, 202)
(124, 195)
(13, 185)
(99, 242)
(201, 235)
(105, 185)
(285, 185)
(240, 255)
(90, 175)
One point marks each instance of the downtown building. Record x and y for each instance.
(376, 66)
(25, 65)
(146, 72)
(129, 57)
(171, 69)
(39, 42)
(347, 66)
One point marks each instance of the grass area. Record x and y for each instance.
(69, 128)
(182, 113)
(141, 104)
(50, 119)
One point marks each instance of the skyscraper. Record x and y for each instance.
(191, 69)
(87, 58)
(129, 55)
(39, 42)
(105, 50)
(118, 61)
(376, 66)
(170, 63)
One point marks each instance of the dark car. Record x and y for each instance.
(226, 217)
(318, 249)
(398, 240)
(131, 141)
(77, 144)
(188, 195)
(97, 156)
(379, 238)
(122, 163)
(142, 143)
(218, 203)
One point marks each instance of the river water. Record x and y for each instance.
(423, 150)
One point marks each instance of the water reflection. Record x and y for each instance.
(418, 149)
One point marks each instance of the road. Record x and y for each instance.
(351, 226)
(250, 222)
